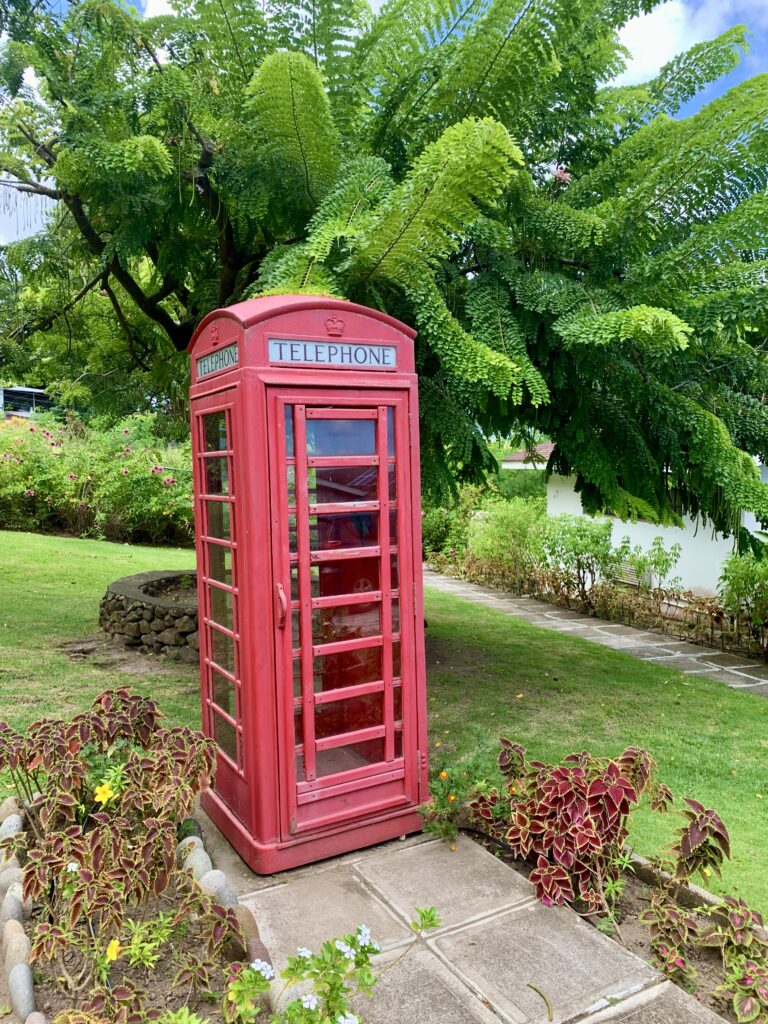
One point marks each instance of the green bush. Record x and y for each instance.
(117, 482)
(504, 542)
(743, 589)
(445, 528)
(577, 550)
(521, 483)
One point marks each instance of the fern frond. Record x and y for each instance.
(419, 222)
(292, 118)
(650, 328)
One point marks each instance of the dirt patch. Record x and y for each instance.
(102, 652)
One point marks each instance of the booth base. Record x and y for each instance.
(270, 858)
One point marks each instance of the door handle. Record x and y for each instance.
(282, 601)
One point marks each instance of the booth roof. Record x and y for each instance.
(252, 311)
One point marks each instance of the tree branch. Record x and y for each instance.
(43, 324)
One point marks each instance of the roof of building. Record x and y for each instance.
(539, 456)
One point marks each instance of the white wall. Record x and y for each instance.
(702, 553)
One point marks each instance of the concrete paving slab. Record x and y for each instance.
(663, 1004)
(464, 885)
(736, 681)
(723, 658)
(679, 663)
(760, 688)
(577, 968)
(649, 652)
(757, 672)
(318, 905)
(419, 988)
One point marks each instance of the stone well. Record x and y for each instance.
(147, 611)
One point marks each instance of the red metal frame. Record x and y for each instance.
(355, 772)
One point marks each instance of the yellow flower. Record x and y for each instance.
(104, 793)
(451, 799)
(113, 950)
(443, 775)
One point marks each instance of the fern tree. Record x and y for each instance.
(576, 260)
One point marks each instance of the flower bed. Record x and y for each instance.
(565, 825)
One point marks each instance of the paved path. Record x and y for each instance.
(733, 669)
(496, 940)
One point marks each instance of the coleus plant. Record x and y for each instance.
(572, 816)
(105, 794)
(746, 988)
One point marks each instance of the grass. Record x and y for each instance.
(489, 675)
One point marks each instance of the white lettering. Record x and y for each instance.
(224, 359)
(325, 353)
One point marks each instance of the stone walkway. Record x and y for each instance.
(732, 669)
(496, 946)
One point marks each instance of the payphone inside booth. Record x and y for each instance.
(308, 530)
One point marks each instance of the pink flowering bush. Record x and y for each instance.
(120, 482)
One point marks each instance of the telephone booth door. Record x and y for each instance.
(344, 628)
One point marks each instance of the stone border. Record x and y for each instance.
(15, 944)
(192, 856)
(130, 613)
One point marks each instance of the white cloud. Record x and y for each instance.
(154, 8)
(655, 38)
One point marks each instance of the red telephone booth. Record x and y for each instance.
(308, 521)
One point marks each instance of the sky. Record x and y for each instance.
(652, 39)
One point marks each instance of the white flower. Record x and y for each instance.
(347, 1018)
(342, 947)
(73, 866)
(310, 1001)
(263, 968)
(303, 951)
(375, 947)
(364, 936)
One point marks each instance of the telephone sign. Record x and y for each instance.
(308, 532)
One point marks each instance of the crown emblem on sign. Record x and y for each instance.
(334, 326)
(214, 333)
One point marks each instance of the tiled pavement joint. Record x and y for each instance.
(735, 671)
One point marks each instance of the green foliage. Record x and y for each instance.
(744, 589)
(602, 283)
(121, 483)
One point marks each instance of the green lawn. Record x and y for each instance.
(489, 675)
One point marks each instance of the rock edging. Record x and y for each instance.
(15, 945)
(137, 612)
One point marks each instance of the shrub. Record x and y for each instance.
(118, 482)
(577, 551)
(744, 591)
(504, 541)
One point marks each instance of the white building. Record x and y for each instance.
(702, 550)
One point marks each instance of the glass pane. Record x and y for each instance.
(397, 701)
(292, 534)
(225, 735)
(221, 606)
(394, 574)
(348, 715)
(295, 634)
(297, 677)
(215, 432)
(342, 530)
(398, 743)
(347, 668)
(298, 720)
(395, 616)
(222, 650)
(300, 768)
(220, 563)
(346, 622)
(292, 485)
(333, 484)
(223, 694)
(341, 437)
(390, 431)
(393, 526)
(396, 668)
(218, 516)
(392, 483)
(344, 759)
(351, 576)
(289, 431)
(295, 582)
(216, 476)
